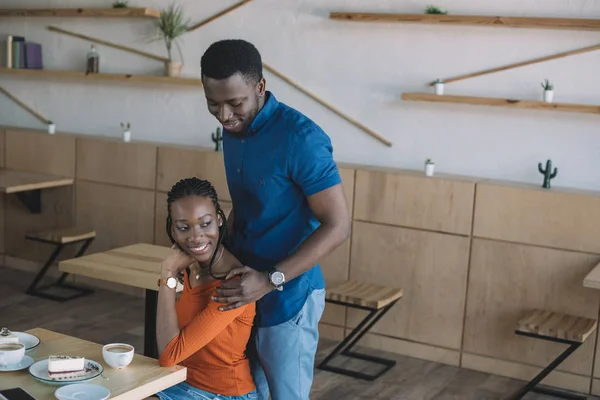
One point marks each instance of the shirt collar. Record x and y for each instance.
(265, 113)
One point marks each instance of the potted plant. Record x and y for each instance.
(429, 167)
(120, 3)
(171, 25)
(435, 10)
(548, 91)
(51, 127)
(439, 87)
(126, 131)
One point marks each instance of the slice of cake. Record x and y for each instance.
(65, 367)
(7, 336)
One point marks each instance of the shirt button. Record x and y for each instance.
(238, 170)
(243, 141)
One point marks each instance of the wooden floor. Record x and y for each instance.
(108, 317)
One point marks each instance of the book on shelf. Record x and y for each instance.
(22, 54)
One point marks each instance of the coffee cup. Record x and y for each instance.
(118, 355)
(11, 353)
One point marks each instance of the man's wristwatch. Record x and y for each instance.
(277, 279)
(170, 282)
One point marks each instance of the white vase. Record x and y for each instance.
(439, 89)
(127, 136)
(51, 129)
(548, 96)
(429, 169)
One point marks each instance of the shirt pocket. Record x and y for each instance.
(264, 190)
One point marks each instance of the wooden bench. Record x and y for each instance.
(555, 327)
(376, 299)
(60, 238)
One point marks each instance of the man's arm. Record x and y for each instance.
(330, 208)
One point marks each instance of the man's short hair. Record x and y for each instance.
(227, 57)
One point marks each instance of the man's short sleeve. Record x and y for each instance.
(311, 163)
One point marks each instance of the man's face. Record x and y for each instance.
(234, 101)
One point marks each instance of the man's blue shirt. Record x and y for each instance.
(284, 158)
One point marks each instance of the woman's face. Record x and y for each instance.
(195, 226)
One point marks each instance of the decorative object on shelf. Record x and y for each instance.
(126, 131)
(93, 61)
(51, 127)
(120, 3)
(546, 172)
(217, 139)
(548, 91)
(435, 10)
(429, 167)
(439, 87)
(171, 26)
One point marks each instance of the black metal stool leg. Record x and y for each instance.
(33, 290)
(532, 386)
(345, 347)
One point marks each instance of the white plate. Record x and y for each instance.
(25, 363)
(82, 391)
(39, 371)
(30, 341)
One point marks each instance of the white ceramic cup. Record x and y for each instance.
(11, 353)
(118, 355)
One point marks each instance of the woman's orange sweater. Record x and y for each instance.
(211, 344)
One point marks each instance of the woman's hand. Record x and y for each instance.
(175, 262)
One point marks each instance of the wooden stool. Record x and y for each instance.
(365, 296)
(555, 327)
(60, 238)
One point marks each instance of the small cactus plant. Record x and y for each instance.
(547, 174)
(218, 139)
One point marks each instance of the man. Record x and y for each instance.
(289, 211)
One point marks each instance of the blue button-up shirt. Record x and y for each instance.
(284, 158)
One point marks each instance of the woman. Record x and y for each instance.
(192, 331)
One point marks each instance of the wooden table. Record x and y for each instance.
(28, 186)
(592, 280)
(137, 265)
(140, 379)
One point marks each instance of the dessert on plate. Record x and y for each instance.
(7, 336)
(65, 367)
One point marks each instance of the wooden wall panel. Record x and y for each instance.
(559, 218)
(111, 161)
(121, 216)
(414, 200)
(160, 235)
(336, 266)
(507, 280)
(176, 163)
(33, 151)
(430, 267)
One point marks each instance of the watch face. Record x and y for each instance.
(171, 283)
(277, 278)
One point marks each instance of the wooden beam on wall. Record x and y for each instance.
(24, 106)
(327, 105)
(520, 64)
(218, 15)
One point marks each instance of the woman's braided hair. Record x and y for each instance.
(197, 187)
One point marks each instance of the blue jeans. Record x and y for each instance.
(184, 391)
(284, 364)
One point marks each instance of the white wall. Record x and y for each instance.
(361, 68)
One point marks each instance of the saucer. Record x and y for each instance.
(82, 391)
(24, 363)
(30, 341)
(39, 371)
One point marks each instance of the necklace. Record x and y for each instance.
(200, 269)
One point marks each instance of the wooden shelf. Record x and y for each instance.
(81, 12)
(479, 20)
(497, 102)
(148, 79)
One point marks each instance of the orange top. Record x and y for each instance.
(211, 344)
